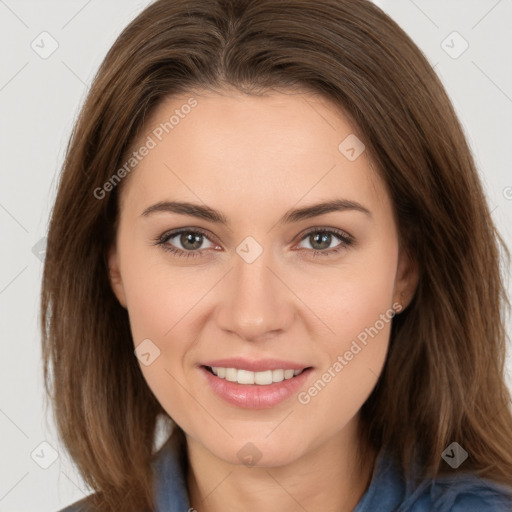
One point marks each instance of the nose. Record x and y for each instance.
(256, 303)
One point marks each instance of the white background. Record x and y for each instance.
(40, 99)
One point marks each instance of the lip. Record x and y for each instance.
(259, 365)
(254, 396)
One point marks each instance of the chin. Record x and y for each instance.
(257, 451)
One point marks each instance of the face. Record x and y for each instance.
(253, 283)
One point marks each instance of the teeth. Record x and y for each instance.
(277, 375)
(231, 374)
(247, 377)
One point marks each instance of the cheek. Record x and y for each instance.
(351, 365)
(159, 296)
(159, 311)
(355, 295)
(162, 306)
(356, 305)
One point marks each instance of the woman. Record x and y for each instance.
(270, 235)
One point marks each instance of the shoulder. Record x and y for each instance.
(170, 480)
(391, 491)
(461, 493)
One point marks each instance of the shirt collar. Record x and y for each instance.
(171, 486)
(170, 477)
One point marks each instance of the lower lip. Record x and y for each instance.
(254, 396)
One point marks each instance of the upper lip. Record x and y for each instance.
(255, 365)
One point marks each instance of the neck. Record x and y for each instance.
(328, 477)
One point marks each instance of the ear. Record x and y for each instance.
(116, 281)
(406, 281)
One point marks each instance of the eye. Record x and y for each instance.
(320, 240)
(191, 242)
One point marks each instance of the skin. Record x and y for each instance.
(254, 158)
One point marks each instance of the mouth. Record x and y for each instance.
(247, 377)
(265, 386)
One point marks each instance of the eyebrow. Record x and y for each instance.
(291, 216)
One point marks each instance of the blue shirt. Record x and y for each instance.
(388, 490)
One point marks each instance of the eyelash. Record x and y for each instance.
(346, 241)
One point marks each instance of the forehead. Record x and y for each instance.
(250, 152)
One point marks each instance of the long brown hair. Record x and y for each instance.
(443, 380)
